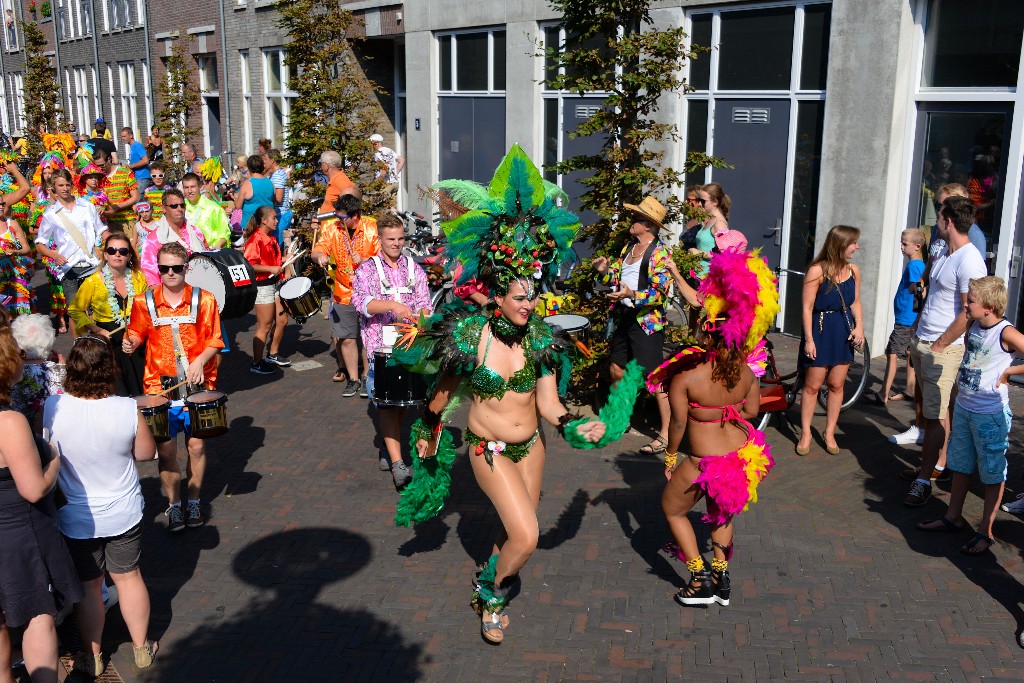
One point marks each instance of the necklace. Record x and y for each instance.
(507, 332)
(632, 252)
(121, 316)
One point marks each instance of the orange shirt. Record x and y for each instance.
(160, 342)
(334, 187)
(334, 242)
(262, 250)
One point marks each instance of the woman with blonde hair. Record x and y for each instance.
(103, 306)
(832, 329)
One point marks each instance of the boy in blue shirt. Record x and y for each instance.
(911, 246)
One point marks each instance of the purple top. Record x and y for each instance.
(367, 287)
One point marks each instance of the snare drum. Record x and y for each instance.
(572, 325)
(394, 385)
(207, 414)
(299, 298)
(155, 410)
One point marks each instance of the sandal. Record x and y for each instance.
(655, 447)
(492, 629)
(699, 591)
(144, 655)
(898, 396)
(971, 548)
(945, 525)
(88, 664)
(339, 376)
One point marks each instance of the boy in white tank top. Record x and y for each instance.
(980, 433)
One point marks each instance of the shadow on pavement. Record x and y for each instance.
(284, 634)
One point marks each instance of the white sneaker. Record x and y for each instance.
(1016, 507)
(912, 435)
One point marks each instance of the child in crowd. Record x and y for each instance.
(908, 293)
(144, 225)
(980, 433)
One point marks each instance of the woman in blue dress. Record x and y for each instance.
(832, 329)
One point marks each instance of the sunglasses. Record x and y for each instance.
(174, 206)
(177, 269)
(700, 201)
(118, 251)
(157, 175)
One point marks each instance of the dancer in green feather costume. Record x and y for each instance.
(511, 366)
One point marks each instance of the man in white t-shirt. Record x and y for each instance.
(938, 347)
(390, 163)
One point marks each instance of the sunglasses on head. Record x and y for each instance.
(177, 269)
(174, 206)
(118, 251)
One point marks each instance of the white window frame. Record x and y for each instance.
(4, 118)
(243, 60)
(454, 92)
(285, 95)
(67, 92)
(95, 96)
(202, 64)
(148, 91)
(112, 123)
(17, 39)
(82, 113)
(18, 88)
(129, 97)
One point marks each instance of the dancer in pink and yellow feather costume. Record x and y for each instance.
(714, 392)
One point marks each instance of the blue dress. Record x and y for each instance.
(831, 325)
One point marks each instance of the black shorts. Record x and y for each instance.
(115, 554)
(629, 342)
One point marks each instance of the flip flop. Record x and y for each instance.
(339, 376)
(946, 526)
(971, 548)
(898, 396)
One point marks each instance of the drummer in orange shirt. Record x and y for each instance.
(182, 340)
(349, 241)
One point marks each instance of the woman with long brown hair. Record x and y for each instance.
(103, 306)
(100, 436)
(263, 252)
(832, 329)
(37, 576)
(716, 203)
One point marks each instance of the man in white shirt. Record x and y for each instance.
(388, 161)
(938, 347)
(70, 234)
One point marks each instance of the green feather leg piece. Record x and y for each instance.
(485, 587)
(426, 494)
(615, 414)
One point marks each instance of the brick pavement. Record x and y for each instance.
(301, 575)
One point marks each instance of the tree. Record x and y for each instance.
(42, 91)
(179, 93)
(612, 48)
(336, 108)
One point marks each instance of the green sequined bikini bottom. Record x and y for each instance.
(513, 451)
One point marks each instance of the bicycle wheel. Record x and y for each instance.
(856, 379)
(676, 313)
(770, 378)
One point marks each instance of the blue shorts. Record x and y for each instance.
(178, 420)
(978, 441)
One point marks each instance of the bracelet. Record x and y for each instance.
(670, 460)
(563, 421)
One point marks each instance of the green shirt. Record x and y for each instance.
(209, 216)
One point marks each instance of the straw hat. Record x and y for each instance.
(651, 209)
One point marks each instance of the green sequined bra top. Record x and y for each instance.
(489, 384)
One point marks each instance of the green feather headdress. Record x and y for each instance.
(511, 229)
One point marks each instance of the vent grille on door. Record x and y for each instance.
(748, 115)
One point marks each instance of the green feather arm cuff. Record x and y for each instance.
(616, 412)
(424, 497)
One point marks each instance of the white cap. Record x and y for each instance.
(376, 137)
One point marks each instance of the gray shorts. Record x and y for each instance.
(899, 341)
(116, 554)
(344, 321)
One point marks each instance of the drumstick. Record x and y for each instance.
(118, 329)
(292, 259)
(170, 389)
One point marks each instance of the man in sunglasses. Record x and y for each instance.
(180, 326)
(70, 234)
(172, 228)
(349, 241)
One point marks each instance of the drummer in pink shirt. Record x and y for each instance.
(389, 288)
(172, 227)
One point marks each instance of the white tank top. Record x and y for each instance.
(984, 360)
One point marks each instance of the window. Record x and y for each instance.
(5, 121)
(148, 90)
(472, 62)
(243, 58)
(120, 13)
(81, 109)
(66, 85)
(10, 29)
(208, 81)
(972, 44)
(95, 94)
(129, 98)
(84, 17)
(18, 88)
(277, 77)
(112, 122)
(772, 31)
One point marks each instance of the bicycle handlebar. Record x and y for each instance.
(788, 271)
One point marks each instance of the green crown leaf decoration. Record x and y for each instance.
(514, 228)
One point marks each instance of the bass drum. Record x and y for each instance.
(228, 276)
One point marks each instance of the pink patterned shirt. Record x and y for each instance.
(367, 287)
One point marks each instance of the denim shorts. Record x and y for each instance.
(978, 441)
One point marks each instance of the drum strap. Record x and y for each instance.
(385, 286)
(176, 321)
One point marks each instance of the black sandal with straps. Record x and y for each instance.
(699, 591)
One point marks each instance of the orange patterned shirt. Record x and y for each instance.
(334, 241)
(160, 342)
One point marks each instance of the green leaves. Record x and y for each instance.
(517, 182)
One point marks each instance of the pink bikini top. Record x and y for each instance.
(729, 413)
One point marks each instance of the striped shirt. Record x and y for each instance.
(120, 186)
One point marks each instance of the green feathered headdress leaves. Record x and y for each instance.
(514, 228)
